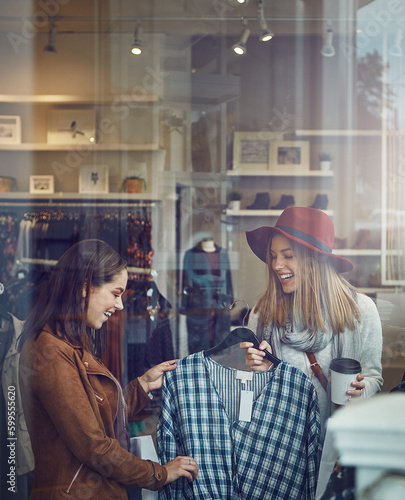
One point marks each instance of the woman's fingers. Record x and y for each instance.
(181, 467)
(358, 385)
(254, 358)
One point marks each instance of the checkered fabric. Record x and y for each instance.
(275, 456)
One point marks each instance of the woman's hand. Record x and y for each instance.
(153, 378)
(254, 358)
(359, 385)
(181, 467)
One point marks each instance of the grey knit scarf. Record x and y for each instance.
(346, 345)
(298, 338)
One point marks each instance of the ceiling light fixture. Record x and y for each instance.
(136, 48)
(327, 49)
(396, 49)
(265, 33)
(240, 47)
(242, 2)
(50, 46)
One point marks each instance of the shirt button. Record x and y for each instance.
(86, 364)
(158, 475)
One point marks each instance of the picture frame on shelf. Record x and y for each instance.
(93, 179)
(10, 129)
(251, 150)
(41, 184)
(72, 126)
(291, 156)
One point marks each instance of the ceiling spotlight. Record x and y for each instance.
(240, 47)
(265, 33)
(50, 46)
(327, 49)
(242, 2)
(136, 48)
(396, 49)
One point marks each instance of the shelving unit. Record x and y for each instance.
(362, 149)
(35, 146)
(261, 213)
(29, 199)
(354, 252)
(279, 173)
(117, 146)
(349, 147)
(337, 133)
(282, 180)
(75, 99)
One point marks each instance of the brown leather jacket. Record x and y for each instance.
(70, 403)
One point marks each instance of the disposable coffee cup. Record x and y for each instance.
(343, 373)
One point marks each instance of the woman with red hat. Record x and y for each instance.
(310, 314)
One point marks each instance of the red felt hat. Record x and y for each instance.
(308, 226)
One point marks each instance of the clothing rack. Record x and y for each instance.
(49, 262)
(99, 203)
(43, 228)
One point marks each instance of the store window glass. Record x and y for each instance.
(170, 129)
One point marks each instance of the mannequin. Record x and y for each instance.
(208, 245)
(207, 293)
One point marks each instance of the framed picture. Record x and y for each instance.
(72, 126)
(251, 150)
(289, 155)
(10, 129)
(93, 179)
(41, 184)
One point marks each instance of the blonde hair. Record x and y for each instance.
(322, 299)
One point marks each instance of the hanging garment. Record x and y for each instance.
(274, 456)
(8, 243)
(207, 294)
(207, 281)
(147, 329)
(139, 337)
(10, 393)
(10, 378)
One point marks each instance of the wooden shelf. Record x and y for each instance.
(279, 173)
(374, 290)
(337, 133)
(35, 146)
(364, 252)
(14, 198)
(353, 252)
(75, 99)
(261, 213)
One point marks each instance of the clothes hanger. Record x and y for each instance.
(241, 334)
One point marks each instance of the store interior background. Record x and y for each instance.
(171, 113)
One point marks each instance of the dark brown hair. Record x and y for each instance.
(60, 305)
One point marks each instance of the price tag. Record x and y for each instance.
(246, 406)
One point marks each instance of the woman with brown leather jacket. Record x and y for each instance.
(76, 411)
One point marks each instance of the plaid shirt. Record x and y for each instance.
(275, 456)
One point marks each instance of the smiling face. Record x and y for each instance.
(105, 300)
(283, 262)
